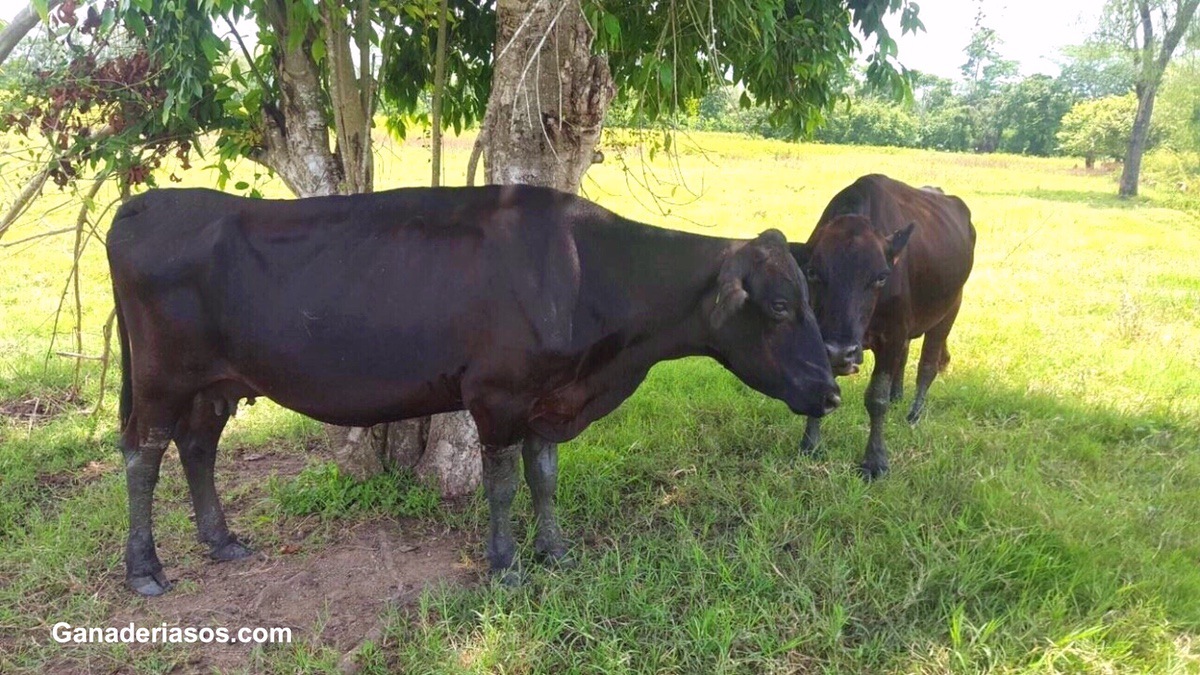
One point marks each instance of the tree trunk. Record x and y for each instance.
(296, 132)
(1089, 160)
(444, 452)
(296, 146)
(549, 96)
(1130, 173)
(543, 121)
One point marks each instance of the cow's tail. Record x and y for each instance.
(125, 404)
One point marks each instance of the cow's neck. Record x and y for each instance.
(667, 288)
(647, 285)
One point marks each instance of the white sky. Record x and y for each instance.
(1033, 31)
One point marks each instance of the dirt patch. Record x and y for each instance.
(72, 479)
(39, 410)
(331, 596)
(328, 583)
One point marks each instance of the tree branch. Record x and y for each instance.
(439, 88)
(32, 189)
(21, 24)
(1183, 18)
(262, 82)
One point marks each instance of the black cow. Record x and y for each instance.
(536, 311)
(886, 263)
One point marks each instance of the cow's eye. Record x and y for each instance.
(779, 306)
(811, 275)
(880, 280)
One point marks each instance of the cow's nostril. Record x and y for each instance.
(843, 353)
(832, 401)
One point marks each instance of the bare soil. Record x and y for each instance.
(38, 410)
(328, 584)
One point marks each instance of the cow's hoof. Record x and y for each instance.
(915, 415)
(873, 470)
(150, 585)
(509, 577)
(812, 450)
(557, 558)
(230, 550)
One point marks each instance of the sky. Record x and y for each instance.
(1033, 31)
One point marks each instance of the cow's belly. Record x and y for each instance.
(352, 378)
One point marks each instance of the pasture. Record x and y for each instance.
(1041, 518)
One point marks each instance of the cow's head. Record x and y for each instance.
(764, 331)
(848, 263)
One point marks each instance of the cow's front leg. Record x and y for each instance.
(878, 399)
(541, 473)
(810, 444)
(500, 480)
(143, 456)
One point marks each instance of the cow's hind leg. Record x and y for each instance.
(143, 442)
(810, 444)
(541, 473)
(500, 479)
(934, 359)
(197, 436)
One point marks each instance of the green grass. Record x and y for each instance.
(1042, 518)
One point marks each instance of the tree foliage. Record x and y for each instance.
(196, 73)
(1028, 115)
(1178, 109)
(870, 121)
(787, 56)
(1095, 69)
(1098, 128)
(1147, 32)
(116, 87)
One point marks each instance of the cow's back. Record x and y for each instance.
(941, 248)
(366, 300)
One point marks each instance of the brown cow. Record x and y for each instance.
(885, 264)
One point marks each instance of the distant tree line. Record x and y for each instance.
(1087, 111)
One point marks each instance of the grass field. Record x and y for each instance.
(1042, 518)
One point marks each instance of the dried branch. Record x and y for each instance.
(476, 151)
(19, 27)
(73, 275)
(105, 358)
(32, 189)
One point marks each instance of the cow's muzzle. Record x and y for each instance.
(844, 359)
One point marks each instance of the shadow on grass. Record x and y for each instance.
(1011, 524)
(1014, 529)
(1094, 199)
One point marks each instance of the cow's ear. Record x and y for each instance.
(897, 240)
(801, 252)
(731, 294)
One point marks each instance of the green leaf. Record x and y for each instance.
(135, 24)
(665, 75)
(318, 50)
(612, 26)
(209, 48)
(241, 185)
(42, 7)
